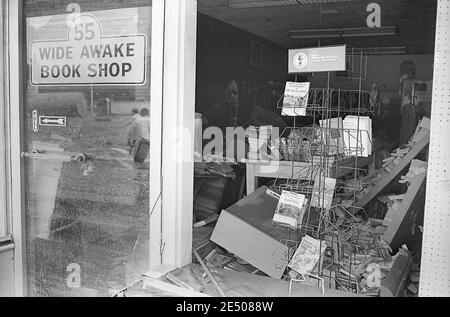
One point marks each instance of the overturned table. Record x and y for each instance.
(299, 170)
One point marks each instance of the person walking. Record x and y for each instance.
(140, 129)
(131, 137)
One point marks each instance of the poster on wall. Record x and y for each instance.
(87, 57)
(317, 59)
(295, 101)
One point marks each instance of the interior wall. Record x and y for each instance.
(384, 70)
(223, 54)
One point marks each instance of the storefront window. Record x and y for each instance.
(86, 139)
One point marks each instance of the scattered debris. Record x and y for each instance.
(355, 254)
(207, 221)
(208, 272)
(393, 167)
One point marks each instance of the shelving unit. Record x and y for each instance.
(325, 154)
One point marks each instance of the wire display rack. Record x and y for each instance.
(339, 224)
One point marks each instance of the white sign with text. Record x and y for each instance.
(88, 58)
(317, 59)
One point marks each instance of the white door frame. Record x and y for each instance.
(16, 203)
(178, 131)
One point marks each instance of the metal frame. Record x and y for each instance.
(14, 16)
(16, 88)
(172, 130)
(171, 213)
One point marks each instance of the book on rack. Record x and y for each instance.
(323, 193)
(253, 142)
(259, 140)
(290, 209)
(334, 135)
(295, 99)
(308, 255)
(358, 136)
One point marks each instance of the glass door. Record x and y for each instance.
(86, 145)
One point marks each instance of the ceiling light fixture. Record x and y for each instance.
(239, 4)
(329, 11)
(387, 50)
(345, 32)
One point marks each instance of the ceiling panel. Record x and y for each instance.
(415, 21)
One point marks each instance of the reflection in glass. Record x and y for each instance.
(87, 188)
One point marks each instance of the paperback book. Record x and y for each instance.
(333, 130)
(290, 209)
(307, 255)
(323, 193)
(358, 135)
(295, 101)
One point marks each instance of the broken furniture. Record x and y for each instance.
(401, 221)
(298, 170)
(394, 283)
(397, 163)
(247, 231)
(217, 186)
(191, 281)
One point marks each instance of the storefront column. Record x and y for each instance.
(435, 267)
(178, 131)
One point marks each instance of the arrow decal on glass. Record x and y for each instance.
(53, 121)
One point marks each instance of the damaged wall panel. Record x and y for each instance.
(403, 220)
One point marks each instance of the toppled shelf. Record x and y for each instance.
(394, 169)
(400, 225)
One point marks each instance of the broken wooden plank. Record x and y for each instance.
(394, 283)
(414, 277)
(397, 197)
(172, 278)
(171, 289)
(211, 277)
(207, 221)
(388, 178)
(413, 288)
(348, 165)
(400, 226)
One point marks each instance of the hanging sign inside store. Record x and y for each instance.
(86, 57)
(317, 59)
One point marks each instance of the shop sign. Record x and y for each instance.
(318, 59)
(87, 57)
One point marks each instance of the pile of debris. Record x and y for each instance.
(319, 235)
(393, 166)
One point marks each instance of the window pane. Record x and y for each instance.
(87, 139)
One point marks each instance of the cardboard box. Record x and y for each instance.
(246, 230)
